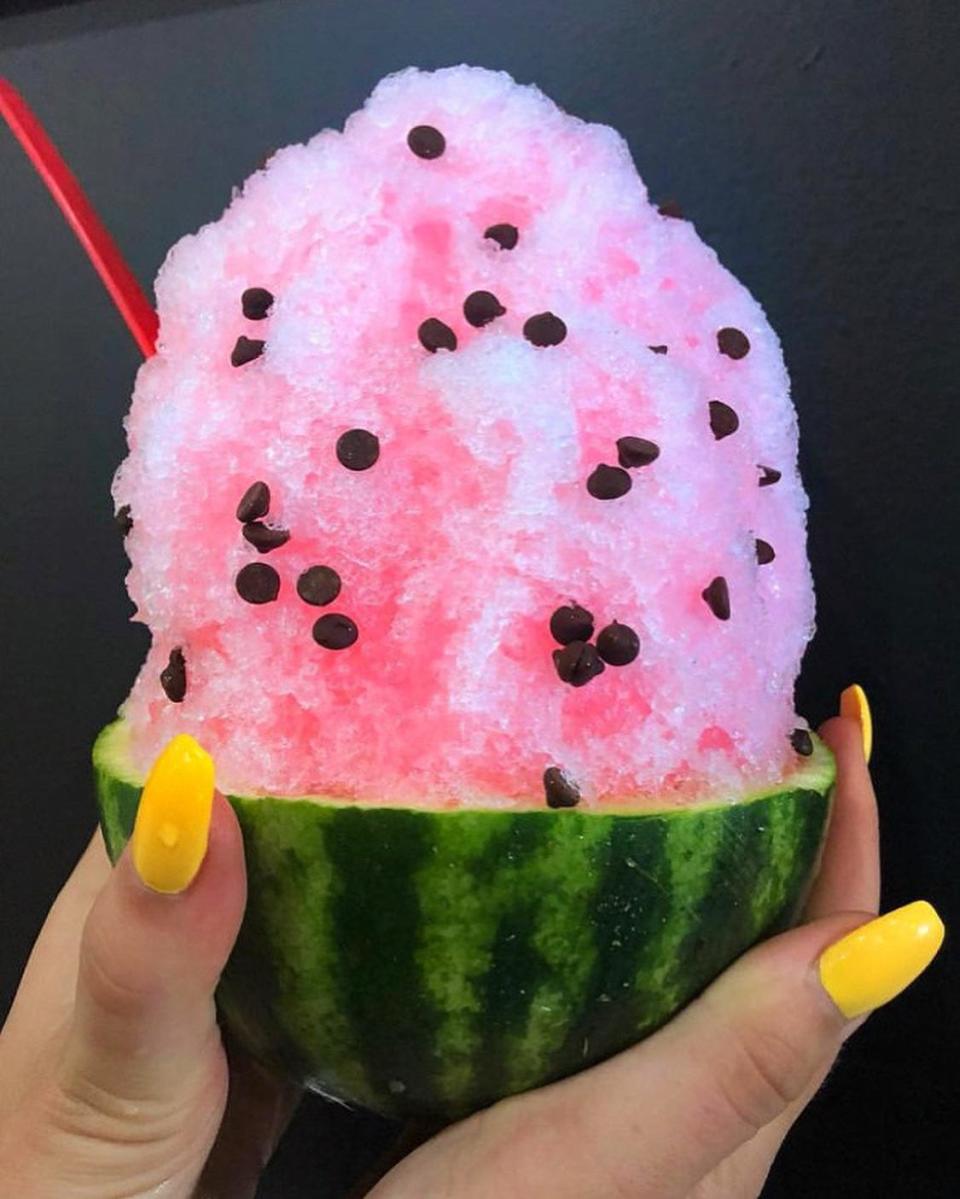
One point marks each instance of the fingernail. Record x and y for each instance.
(173, 819)
(855, 705)
(874, 963)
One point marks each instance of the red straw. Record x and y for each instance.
(101, 249)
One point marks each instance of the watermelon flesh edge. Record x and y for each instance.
(423, 962)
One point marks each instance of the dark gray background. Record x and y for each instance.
(814, 144)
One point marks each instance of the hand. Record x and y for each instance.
(113, 1077)
(699, 1110)
(116, 1081)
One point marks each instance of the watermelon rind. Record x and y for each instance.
(425, 962)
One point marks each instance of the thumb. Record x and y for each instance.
(154, 944)
(749, 1047)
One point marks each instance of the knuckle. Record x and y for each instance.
(97, 1143)
(760, 1072)
(81, 1107)
(117, 987)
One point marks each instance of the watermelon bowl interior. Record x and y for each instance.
(425, 963)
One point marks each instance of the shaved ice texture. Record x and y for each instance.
(475, 523)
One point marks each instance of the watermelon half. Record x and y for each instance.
(462, 497)
(426, 962)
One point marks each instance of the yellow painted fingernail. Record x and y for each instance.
(874, 963)
(173, 820)
(855, 705)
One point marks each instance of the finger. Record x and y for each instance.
(656, 1119)
(43, 1005)
(149, 959)
(750, 1164)
(849, 878)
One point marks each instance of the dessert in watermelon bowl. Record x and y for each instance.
(462, 506)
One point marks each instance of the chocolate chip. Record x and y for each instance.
(768, 476)
(765, 552)
(733, 343)
(571, 623)
(246, 349)
(318, 585)
(263, 537)
(482, 307)
(670, 208)
(426, 142)
(608, 483)
(577, 663)
(658, 349)
(256, 303)
(560, 792)
(123, 520)
(802, 742)
(723, 419)
(258, 583)
(335, 631)
(544, 329)
(358, 449)
(254, 503)
(618, 644)
(717, 596)
(435, 335)
(634, 452)
(173, 677)
(506, 236)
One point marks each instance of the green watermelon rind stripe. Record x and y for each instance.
(284, 858)
(564, 887)
(424, 962)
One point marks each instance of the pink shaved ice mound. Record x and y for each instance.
(485, 489)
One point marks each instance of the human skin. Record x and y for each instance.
(116, 1080)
